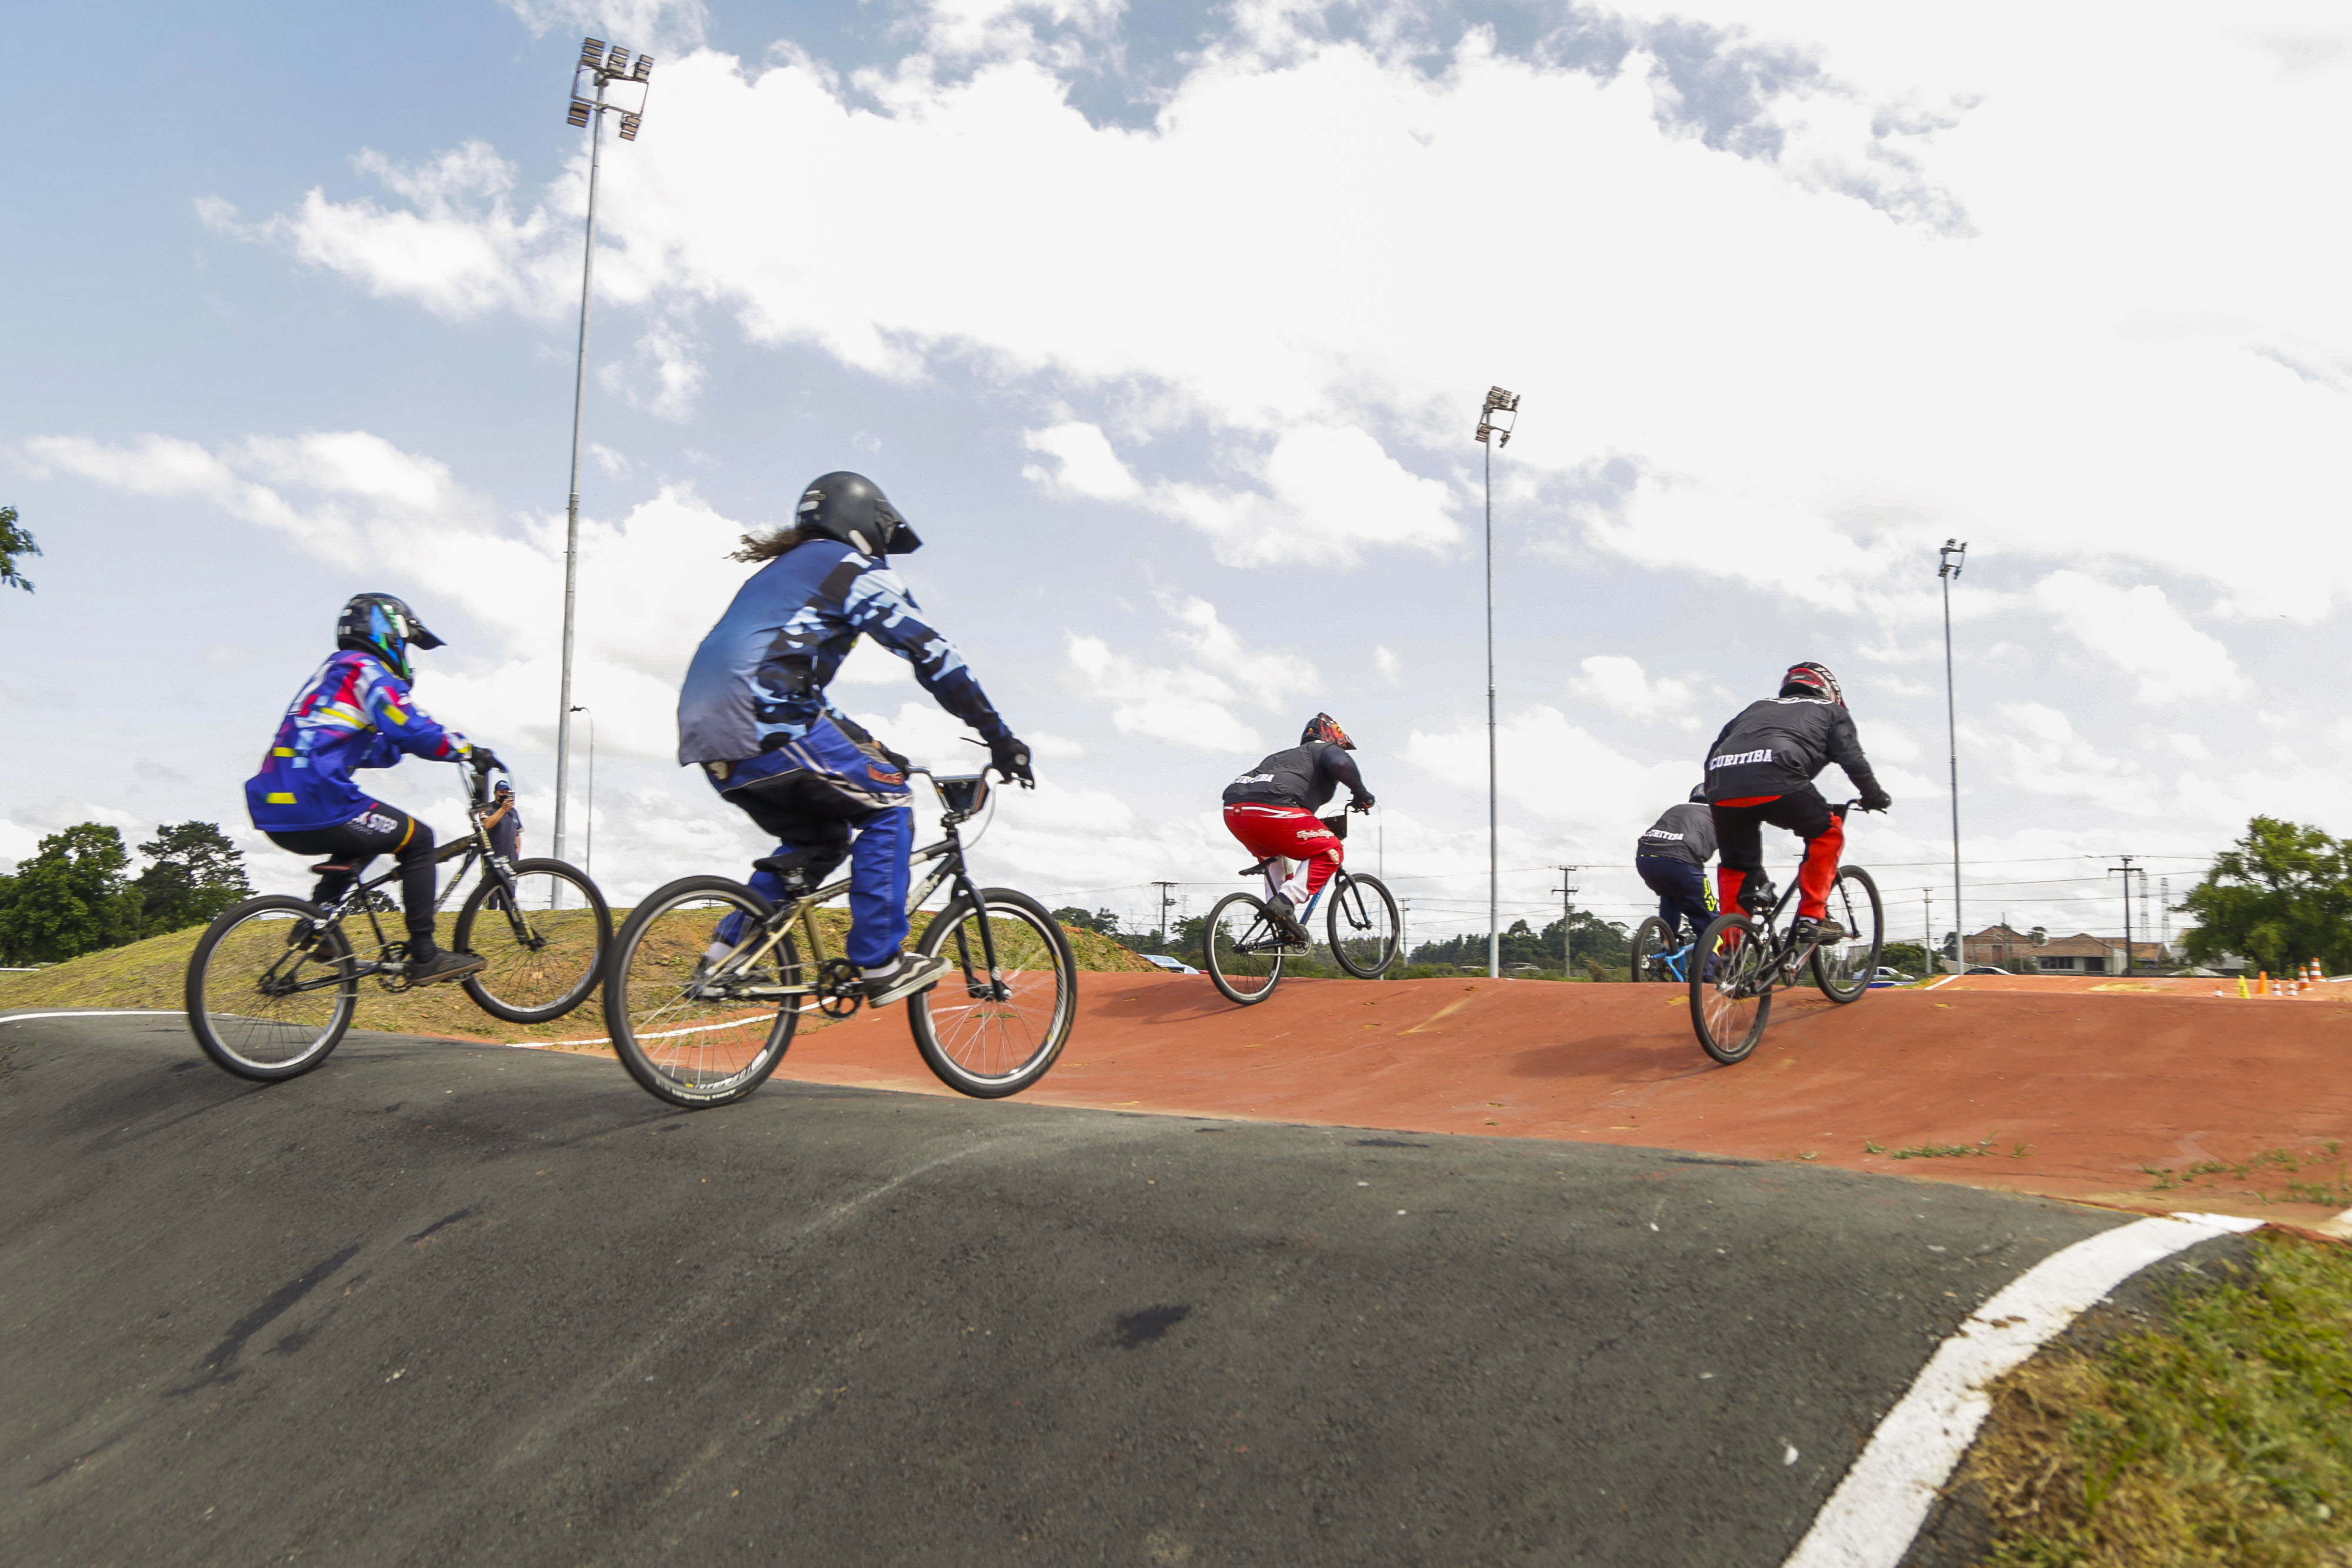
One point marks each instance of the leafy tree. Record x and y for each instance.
(194, 873)
(1604, 942)
(14, 543)
(2281, 895)
(68, 898)
(1908, 956)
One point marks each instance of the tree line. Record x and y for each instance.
(75, 894)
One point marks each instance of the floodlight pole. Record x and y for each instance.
(1497, 401)
(1948, 561)
(588, 856)
(590, 112)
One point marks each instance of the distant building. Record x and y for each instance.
(2024, 953)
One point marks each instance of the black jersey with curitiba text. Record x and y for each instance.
(1779, 744)
(1686, 832)
(1303, 776)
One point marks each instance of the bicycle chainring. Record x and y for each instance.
(394, 953)
(840, 990)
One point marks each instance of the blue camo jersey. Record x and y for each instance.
(353, 713)
(758, 680)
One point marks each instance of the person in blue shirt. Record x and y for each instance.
(753, 716)
(356, 712)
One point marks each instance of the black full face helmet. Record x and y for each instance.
(1323, 727)
(380, 624)
(1698, 794)
(852, 508)
(1812, 680)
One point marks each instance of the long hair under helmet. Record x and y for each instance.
(852, 508)
(1812, 680)
(380, 624)
(1323, 727)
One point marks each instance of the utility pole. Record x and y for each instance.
(1497, 401)
(1928, 923)
(1167, 898)
(2126, 869)
(1566, 912)
(2164, 903)
(1948, 561)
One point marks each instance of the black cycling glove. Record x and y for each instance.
(1010, 757)
(481, 760)
(1360, 803)
(1877, 800)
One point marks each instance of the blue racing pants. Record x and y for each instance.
(1681, 888)
(814, 794)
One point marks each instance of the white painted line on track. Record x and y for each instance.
(1871, 1519)
(101, 1013)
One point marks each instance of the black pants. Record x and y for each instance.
(381, 830)
(1740, 839)
(1681, 887)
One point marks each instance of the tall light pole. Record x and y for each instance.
(600, 69)
(1948, 561)
(1497, 401)
(590, 857)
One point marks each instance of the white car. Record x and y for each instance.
(1173, 965)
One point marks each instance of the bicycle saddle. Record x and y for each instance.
(323, 867)
(1253, 869)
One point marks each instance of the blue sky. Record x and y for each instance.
(1169, 331)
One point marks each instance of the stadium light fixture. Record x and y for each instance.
(1948, 561)
(1504, 403)
(598, 69)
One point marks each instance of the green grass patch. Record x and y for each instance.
(1947, 1151)
(154, 973)
(2223, 1437)
(2321, 1176)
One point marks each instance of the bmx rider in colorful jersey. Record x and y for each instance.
(753, 716)
(354, 713)
(1671, 859)
(1761, 769)
(1271, 809)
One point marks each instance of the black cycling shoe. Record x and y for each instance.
(444, 966)
(1823, 930)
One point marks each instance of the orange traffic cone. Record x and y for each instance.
(2262, 982)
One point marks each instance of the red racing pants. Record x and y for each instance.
(1288, 833)
(1739, 834)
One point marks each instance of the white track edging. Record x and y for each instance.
(1872, 1518)
(99, 1013)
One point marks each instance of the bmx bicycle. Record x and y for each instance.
(274, 981)
(1662, 952)
(698, 1031)
(1749, 956)
(1243, 949)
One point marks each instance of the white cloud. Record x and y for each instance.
(663, 376)
(1540, 751)
(638, 24)
(1618, 684)
(2138, 631)
(1089, 467)
(2036, 748)
(1192, 703)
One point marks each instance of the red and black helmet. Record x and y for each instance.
(1323, 727)
(1812, 680)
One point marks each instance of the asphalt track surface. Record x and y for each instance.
(440, 1303)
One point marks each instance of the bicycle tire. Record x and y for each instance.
(1844, 973)
(992, 1046)
(271, 1037)
(1369, 947)
(1244, 978)
(1731, 1004)
(1652, 940)
(692, 1050)
(540, 980)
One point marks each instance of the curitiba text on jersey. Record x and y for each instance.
(1735, 758)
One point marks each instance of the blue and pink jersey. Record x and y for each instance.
(353, 713)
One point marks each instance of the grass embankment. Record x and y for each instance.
(154, 973)
(2224, 1436)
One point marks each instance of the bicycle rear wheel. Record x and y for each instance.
(1363, 924)
(993, 1032)
(1240, 950)
(269, 991)
(1652, 939)
(1843, 970)
(543, 957)
(1731, 983)
(691, 1034)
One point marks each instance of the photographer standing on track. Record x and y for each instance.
(1271, 809)
(1671, 859)
(1760, 770)
(753, 716)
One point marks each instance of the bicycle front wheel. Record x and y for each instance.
(1363, 924)
(691, 1031)
(543, 949)
(1730, 987)
(1653, 940)
(270, 990)
(1843, 970)
(992, 1030)
(1240, 949)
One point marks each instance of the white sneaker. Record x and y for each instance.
(904, 978)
